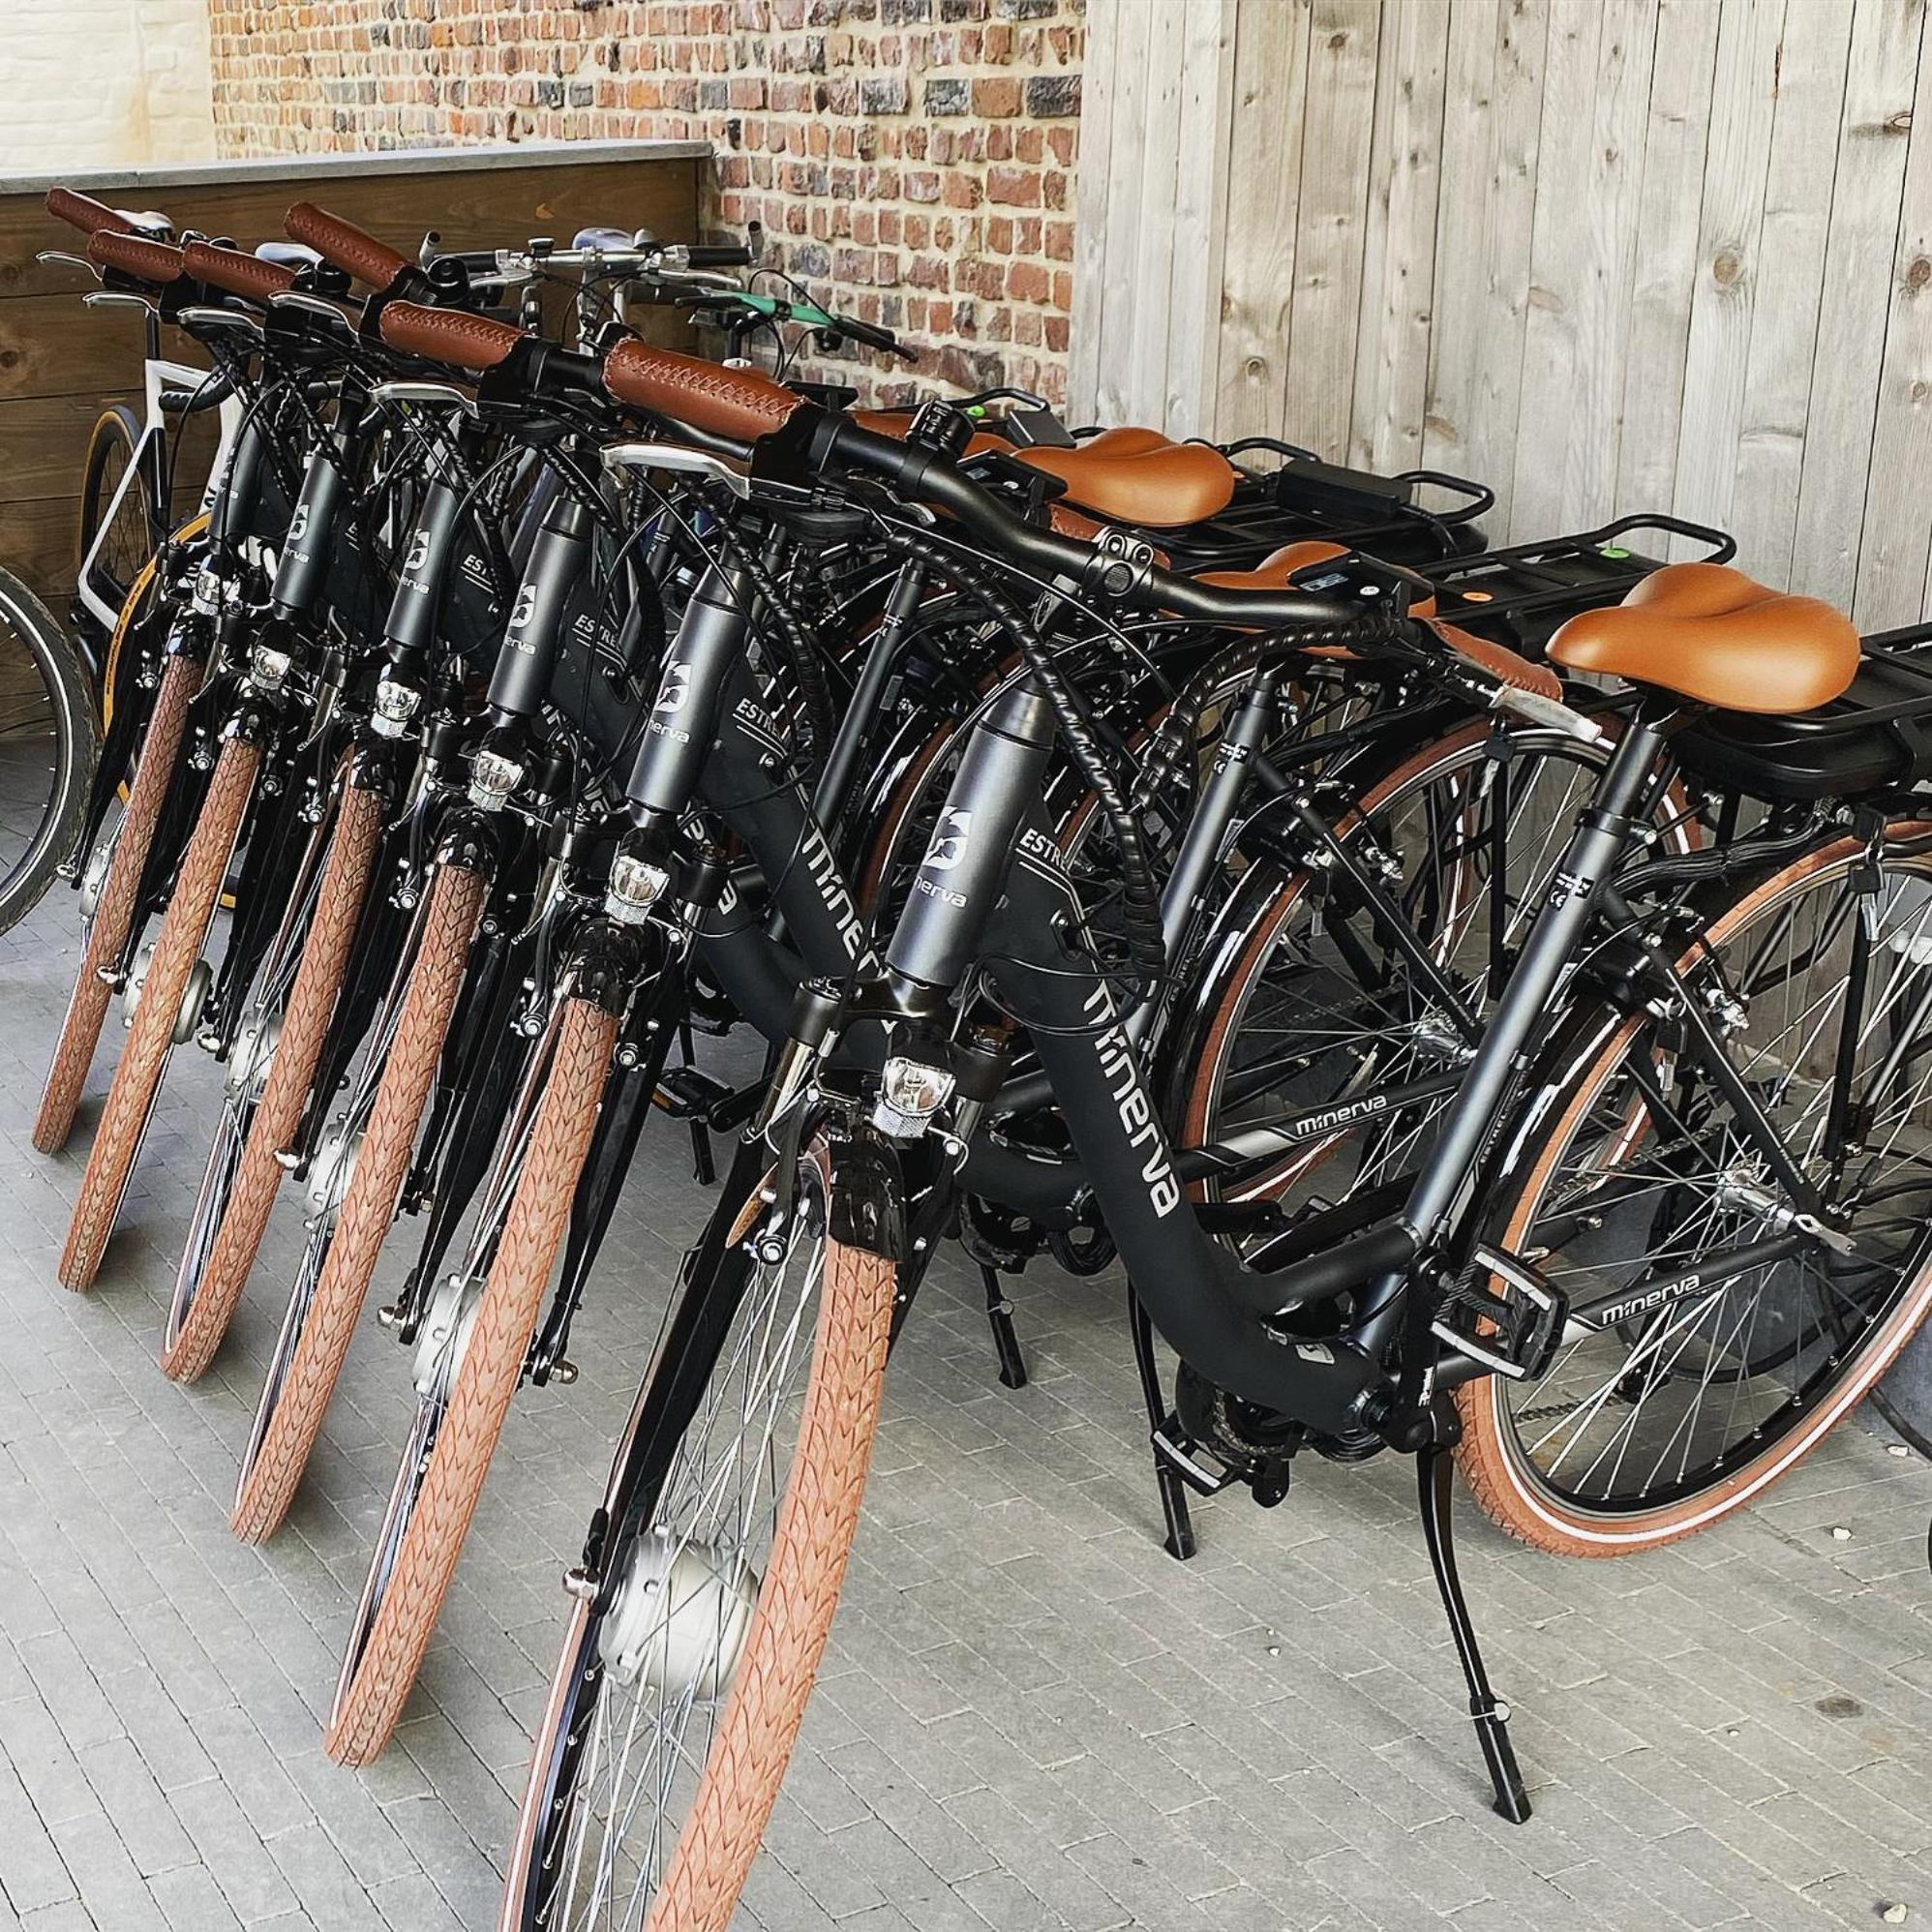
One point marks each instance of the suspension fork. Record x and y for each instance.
(643, 1047)
(268, 833)
(472, 1083)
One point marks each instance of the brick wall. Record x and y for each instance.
(912, 160)
(104, 83)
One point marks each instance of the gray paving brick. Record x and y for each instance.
(71, 1915)
(143, 1819)
(111, 1888)
(240, 1862)
(190, 1901)
(33, 1873)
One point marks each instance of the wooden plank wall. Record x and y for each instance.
(59, 360)
(1604, 255)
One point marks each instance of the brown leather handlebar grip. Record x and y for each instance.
(83, 211)
(237, 273)
(449, 335)
(1499, 662)
(343, 244)
(735, 403)
(159, 262)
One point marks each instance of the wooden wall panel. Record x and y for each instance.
(1606, 255)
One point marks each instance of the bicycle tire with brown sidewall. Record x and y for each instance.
(1484, 1454)
(191, 909)
(268, 1484)
(114, 913)
(305, 1020)
(374, 1693)
(790, 1625)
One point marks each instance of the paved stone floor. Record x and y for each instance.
(1031, 1717)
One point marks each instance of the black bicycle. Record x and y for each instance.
(1667, 1229)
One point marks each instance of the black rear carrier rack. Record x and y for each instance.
(1521, 594)
(1400, 519)
(1878, 735)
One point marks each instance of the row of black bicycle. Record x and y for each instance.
(1478, 997)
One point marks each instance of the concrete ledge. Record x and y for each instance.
(385, 160)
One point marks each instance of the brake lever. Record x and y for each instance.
(675, 457)
(58, 257)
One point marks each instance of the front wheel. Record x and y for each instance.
(468, 1363)
(354, 1186)
(116, 892)
(1712, 1344)
(687, 1664)
(162, 1015)
(269, 1075)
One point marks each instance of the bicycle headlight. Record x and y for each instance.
(493, 777)
(267, 667)
(395, 705)
(910, 1093)
(636, 886)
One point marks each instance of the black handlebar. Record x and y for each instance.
(930, 479)
(875, 338)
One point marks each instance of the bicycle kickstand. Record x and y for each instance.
(1435, 1471)
(999, 1318)
(1180, 1539)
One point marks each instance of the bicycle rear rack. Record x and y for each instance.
(1307, 499)
(1529, 588)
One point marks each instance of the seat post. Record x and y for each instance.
(1602, 831)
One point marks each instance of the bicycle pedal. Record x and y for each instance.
(563, 1373)
(390, 1315)
(685, 1092)
(1200, 1469)
(1514, 1335)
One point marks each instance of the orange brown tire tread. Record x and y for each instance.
(793, 1618)
(1482, 1456)
(198, 887)
(305, 1020)
(269, 1482)
(113, 914)
(486, 1381)
(797, 1602)
(791, 1622)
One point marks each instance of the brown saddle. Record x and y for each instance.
(1710, 633)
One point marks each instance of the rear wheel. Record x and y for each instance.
(683, 1682)
(114, 895)
(48, 743)
(162, 1015)
(1312, 1016)
(1700, 1365)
